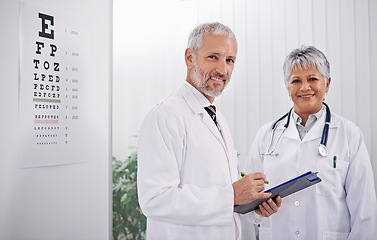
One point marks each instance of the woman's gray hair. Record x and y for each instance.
(305, 57)
(196, 36)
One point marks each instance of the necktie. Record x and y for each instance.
(211, 110)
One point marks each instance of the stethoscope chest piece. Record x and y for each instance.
(322, 149)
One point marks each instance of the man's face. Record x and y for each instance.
(212, 67)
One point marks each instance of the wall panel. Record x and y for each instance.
(239, 80)
(347, 80)
(363, 77)
(319, 24)
(305, 22)
(333, 53)
(71, 201)
(280, 96)
(265, 59)
(253, 98)
(291, 24)
(372, 13)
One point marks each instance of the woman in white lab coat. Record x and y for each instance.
(343, 205)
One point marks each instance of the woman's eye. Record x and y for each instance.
(295, 81)
(313, 79)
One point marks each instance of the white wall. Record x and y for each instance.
(62, 202)
(150, 63)
(149, 42)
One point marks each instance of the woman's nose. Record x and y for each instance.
(305, 86)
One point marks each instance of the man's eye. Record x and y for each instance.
(230, 60)
(212, 57)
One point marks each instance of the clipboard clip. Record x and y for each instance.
(313, 178)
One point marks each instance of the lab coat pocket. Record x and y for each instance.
(335, 235)
(265, 233)
(265, 230)
(333, 175)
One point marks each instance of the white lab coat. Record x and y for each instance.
(186, 170)
(342, 206)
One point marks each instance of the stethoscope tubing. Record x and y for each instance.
(325, 131)
(324, 136)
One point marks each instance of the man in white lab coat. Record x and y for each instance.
(188, 182)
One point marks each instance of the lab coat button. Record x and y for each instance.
(297, 203)
(297, 233)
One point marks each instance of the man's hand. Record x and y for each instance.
(248, 189)
(269, 207)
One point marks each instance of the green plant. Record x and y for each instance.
(128, 220)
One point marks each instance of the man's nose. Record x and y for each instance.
(222, 67)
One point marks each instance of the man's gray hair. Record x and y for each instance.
(196, 36)
(306, 57)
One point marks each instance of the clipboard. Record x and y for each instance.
(287, 188)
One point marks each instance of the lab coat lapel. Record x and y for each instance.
(212, 126)
(291, 131)
(316, 131)
(224, 137)
(229, 147)
(197, 108)
(313, 134)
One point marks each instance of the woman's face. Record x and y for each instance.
(307, 89)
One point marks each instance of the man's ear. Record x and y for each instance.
(189, 58)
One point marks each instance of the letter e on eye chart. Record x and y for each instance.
(53, 60)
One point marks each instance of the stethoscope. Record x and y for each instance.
(322, 149)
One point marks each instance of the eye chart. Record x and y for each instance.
(52, 78)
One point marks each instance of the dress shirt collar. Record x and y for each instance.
(201, 98)
(312, 118)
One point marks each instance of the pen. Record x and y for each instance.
(334, 162)
(265, 181)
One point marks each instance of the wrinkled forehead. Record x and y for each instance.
(219, 42)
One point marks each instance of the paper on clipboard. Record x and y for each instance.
(287, 188)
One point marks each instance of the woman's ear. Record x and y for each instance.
(328, 84)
